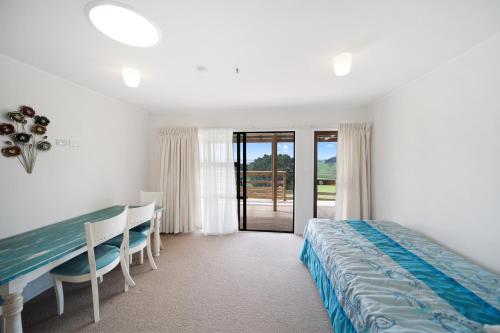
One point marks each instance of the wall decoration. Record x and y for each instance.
(27, 136)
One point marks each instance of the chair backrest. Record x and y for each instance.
(139, 215)
(101, 231)
(147, 197)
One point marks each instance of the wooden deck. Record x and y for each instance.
(260, 214)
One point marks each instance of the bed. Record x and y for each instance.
(377, 276)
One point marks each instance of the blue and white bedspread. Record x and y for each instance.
(376, 276)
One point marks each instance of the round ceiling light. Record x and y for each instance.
(123, 24)
(131, 77)
(342, 63)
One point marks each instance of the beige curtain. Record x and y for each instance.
(353, 172)
(179, 179)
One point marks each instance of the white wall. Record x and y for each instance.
(303, 120)
(436, 155)
(108, 168)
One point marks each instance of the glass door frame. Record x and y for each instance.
(315, 181)
(241, 149)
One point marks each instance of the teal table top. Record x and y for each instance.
(23, 253)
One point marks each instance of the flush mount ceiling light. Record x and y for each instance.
(122, 24)
(342, 63)
(131, 77)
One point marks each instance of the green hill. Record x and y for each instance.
(327, 170)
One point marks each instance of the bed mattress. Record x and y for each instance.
(377, 276)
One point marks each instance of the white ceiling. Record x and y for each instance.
(282, 47)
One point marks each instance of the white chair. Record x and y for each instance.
(97, 261)
(147, 197)
(138, 241)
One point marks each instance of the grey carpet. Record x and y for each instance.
(247, 282)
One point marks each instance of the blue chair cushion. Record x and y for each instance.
(135, 239)
(142, 228)
(79, 265)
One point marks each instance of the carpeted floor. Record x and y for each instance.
(247, 282)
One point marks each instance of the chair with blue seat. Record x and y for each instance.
(97, 261)
(145, 198)
(138, 241)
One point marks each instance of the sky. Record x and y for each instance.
(327, 150)
(255, 150)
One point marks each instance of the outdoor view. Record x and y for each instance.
(260, 164)
(326, 170)
(269, 191)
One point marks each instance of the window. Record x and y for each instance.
(325, 172)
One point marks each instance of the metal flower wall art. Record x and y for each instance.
(26, 131)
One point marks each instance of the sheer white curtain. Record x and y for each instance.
(217, 182)
(179, 179)
(353, 171)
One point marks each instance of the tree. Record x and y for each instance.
(331, 160)
(265, 163)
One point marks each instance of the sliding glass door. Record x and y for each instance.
(325, 173)
(265, 169)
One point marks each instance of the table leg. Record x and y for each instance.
(12, 307)
(162, 247)
(156, 245)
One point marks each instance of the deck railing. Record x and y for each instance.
(321, 195)
(262, 188)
